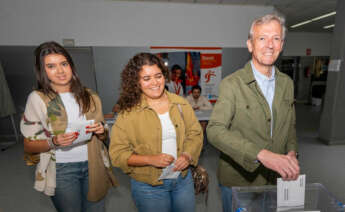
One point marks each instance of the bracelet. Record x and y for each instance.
(51, 143)
(105, 126)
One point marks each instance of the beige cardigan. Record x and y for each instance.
(46, 116)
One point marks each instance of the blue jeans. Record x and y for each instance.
(175, 195)
(72, 185)
(226, 198)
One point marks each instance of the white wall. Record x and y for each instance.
(113, 23)
(297, 43)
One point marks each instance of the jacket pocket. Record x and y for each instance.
(284, 115)
(286, 107)
(247, 111)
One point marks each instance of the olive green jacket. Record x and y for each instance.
(240, 127)
(139, 132)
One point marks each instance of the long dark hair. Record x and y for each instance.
(130, 89)
(83, 97)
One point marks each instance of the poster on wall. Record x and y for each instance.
(190, 66)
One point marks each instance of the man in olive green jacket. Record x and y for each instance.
(253, 121)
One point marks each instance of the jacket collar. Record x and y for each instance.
(173, 99)
(248, 75)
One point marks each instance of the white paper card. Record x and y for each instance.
(168, 173)
(334, 65)
(80, 127)
(291, 193)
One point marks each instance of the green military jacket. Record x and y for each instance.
(240, 127)
(139, 131)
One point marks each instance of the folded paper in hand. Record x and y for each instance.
(168, 173)
(80, 127)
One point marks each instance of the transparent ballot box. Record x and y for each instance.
(264, 199)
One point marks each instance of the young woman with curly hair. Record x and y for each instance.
(155, 138)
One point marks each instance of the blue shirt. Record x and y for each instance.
(267, 86)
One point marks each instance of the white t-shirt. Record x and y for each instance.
(175, 88)
(168, 135)
(78, 152)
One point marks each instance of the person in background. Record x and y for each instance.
(253, 120)
(77, 176)
(175, 84)
(199, 102)
(115, 110)
(155, 138)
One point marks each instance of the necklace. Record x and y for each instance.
(177, 88)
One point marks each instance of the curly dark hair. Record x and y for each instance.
(130, 89)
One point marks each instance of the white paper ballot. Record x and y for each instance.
(291, 193)
(80, 127)
(168, 173)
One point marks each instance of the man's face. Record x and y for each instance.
(266, 44)
(178, 73)
(196, 93)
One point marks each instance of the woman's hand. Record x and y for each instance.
(161, 160)
(96, 128)
(182, 162)
(65, 139)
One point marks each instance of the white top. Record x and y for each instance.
(175, 88)
(78, 152)
(168, 135)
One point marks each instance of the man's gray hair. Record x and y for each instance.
(266, 19)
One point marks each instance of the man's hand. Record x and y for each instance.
(286, 165)
(196, 108)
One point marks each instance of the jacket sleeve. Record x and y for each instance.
(230, 142)
(194, 136)
(292, 138)
(32, 125)
(120, 149)
(100, 118)
(33, 118)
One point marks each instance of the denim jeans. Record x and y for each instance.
(226, 198)
(175, 195)
(72, 185)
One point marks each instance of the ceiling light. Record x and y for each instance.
(314, 19)
(324, 16)
(329, 26)
(300, 24)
